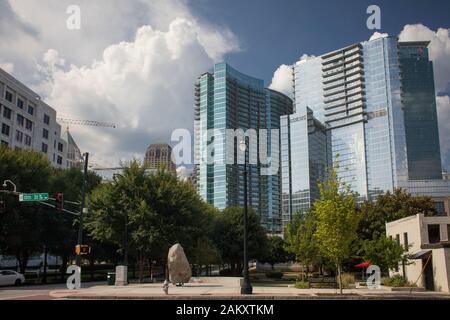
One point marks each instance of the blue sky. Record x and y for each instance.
(276, 32)
(135, 62)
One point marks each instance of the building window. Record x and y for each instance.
(29, 125)
(20, 103)
(440, 208)
(19, 136)
(46, 119)
(5, 129)
(448, 232)
(6, 113)
(45, 133)
(60, 147)
(28, 140)
(397, 238)
(434, 234)
(31, 110)
(9, 96)
(20, 120)
(59, 160)
(44, 148)
(405, 241)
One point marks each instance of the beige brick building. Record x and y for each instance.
(428, 240)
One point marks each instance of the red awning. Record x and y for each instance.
(365, 264)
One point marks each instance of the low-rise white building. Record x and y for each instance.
(27, 122)
(428, 240)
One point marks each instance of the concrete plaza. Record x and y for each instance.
(231, 291)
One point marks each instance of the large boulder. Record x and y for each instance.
(179, 268)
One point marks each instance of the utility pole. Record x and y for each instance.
(83, 201)
(246, 287)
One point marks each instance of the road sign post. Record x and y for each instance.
(29, 197)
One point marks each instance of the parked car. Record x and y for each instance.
(9, 278)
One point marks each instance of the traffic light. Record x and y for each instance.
(82, 249)
(59, 201)
(2, 206)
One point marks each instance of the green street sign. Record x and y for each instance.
(33, 197)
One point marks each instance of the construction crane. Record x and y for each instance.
(92, 123)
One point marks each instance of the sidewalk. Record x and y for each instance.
(210, 291)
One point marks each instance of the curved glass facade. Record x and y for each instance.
(229, 99)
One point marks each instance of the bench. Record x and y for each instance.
(323, 280)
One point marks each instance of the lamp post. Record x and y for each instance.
(10, 182)
(125, 245)
(83, 210)
(246, 287)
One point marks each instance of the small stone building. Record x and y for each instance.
(427, 239)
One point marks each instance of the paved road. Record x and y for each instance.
(35, 292)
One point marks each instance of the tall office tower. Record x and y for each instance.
(304, 139)
(27, 122)
(421, 124)
(377, 102)
(228, 99)
(159, 155)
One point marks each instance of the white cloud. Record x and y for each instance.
(282, 80)
(378, 35)
(132, 63)
(443, 109)
(7, 66)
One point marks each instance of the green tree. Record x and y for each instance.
(157, 209)
(275, 252)
(389, 207)
(337, 220)
(299, 235)
(205, 254)
(62, 226)
(22, 227)
(229, 237)
(383, 252)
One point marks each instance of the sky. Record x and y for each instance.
(135, 62)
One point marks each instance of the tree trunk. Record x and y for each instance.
(141, 268)
(339, 278)
(91, 263)
(63, 268)
(44, 277)
(23, 261)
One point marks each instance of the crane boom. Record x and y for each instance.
(92, 123)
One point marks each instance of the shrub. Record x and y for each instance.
(397, 281)
(347, 280)
(274, 274)
(302, 285)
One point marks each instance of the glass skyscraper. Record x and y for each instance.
(227, 99)
(304, 140)
(376, 102)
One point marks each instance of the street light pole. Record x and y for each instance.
(10, 182)
(246, 287)
(83, 201)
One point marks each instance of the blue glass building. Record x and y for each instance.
(376, 102)
(228, 99)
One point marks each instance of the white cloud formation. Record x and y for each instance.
(282, 80)
(443, 110)
(7, 66)
(378, 35)
(142, 81)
